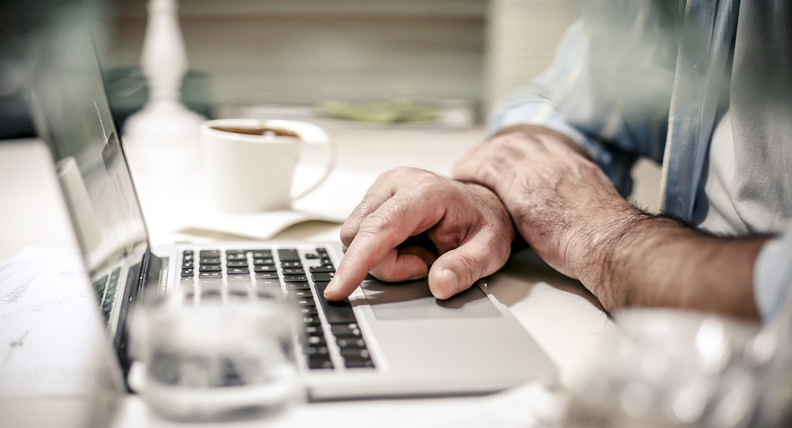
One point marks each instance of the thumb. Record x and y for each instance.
(456, 270)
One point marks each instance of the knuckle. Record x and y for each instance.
(348, 233)
(471, 269)
(376, 223)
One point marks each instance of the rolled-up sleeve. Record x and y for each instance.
(773, 276)
(608, 88)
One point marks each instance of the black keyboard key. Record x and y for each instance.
(265, 268)
(319, 362)
(358, 363)
(288, 255)
(268, 284)
(346, 329)
(187, 273)
(210, 268)
(238, 278)
(356, 353)
(321, 269)
(238, 271)
(297, 286)
(326, 261)
(210, 275)
(305, 303)
(313, 340)
(312, 256)
(209, 253)
(286, 265)
(236, 257)
(311, 320)
(308, 311)
(322, 277)
(237, 263)
(294, 271)
(295, 278)
(260, 253)
(266, 275)
(350, 342)
(313, 330)
(316, 350)
(209, 261)
(336, 312)
(264, 261)
(301, 294)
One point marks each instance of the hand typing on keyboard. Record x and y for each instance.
(413, 224)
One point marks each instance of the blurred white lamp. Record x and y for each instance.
(162, 140)
(164, 62)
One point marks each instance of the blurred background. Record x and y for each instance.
(331, 54)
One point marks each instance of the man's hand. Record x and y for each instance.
(562, 203)
(570, 213)
(413, 224)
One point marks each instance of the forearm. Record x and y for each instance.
(659, 261)
(568, 211)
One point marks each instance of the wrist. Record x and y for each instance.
(598, 249)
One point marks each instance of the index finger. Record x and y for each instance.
(379, 233)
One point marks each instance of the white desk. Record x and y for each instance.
(563, 317)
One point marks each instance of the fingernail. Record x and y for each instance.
(330, 289)
(451, 280)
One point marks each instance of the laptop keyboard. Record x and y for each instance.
(328, 341)
(105, 288)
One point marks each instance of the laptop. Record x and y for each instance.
(386, 340)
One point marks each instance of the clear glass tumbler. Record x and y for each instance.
(222, 358)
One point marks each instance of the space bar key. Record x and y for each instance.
(337, 311)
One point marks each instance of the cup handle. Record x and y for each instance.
(311, 134)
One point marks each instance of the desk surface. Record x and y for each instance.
(563, 317)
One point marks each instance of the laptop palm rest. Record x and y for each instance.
(413, 300)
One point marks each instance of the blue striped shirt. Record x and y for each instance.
(649, 79)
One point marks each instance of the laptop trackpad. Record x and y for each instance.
(413, 300)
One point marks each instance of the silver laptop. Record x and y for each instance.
(385, 340)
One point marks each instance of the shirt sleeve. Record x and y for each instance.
(773, 276)
(608, 88)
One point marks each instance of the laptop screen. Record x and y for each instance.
(73, 116)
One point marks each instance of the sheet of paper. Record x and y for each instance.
(50, 334)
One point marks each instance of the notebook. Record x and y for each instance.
(386, 340)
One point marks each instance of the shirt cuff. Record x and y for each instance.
(773, 276)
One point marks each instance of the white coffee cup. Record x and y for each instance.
(252, 162)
